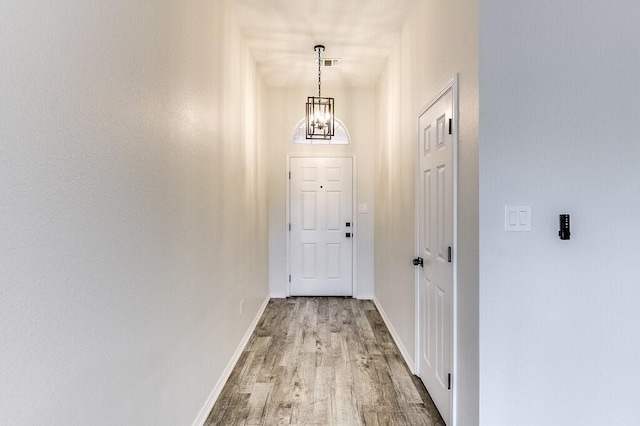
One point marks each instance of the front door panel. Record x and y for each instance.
(321, 208)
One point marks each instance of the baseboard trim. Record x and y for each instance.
(278, 295)
(213, 397)
(396, 337)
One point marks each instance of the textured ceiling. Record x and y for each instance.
(281, 35)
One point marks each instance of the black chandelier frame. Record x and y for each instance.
(320, 113)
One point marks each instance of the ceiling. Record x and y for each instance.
(281, 35)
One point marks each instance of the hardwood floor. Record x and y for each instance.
(322, 361)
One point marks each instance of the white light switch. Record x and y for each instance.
(517, 218)
(363, 208)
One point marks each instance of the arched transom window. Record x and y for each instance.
(340, 137)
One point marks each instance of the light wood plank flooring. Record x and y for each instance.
(322, 361)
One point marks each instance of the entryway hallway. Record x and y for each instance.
(322, 361)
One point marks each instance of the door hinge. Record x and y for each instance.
(289, 227)
(289, 175)
(449, 381)
(289, 277)
(449, 254)
(450, 126)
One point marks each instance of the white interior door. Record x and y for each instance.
(435, 241)
(322, 226)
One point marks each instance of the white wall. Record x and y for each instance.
(560, 102)
(355, 107)
(132, 193)
(438, 40)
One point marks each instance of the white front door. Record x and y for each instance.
(321, 226)
(435, 241)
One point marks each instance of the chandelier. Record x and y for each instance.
(320, 111)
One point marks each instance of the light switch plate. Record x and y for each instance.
(363, 208)
(517, 218)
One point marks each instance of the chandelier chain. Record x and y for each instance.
(319, 93)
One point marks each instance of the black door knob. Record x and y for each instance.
(418, 261)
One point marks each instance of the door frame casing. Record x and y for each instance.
(453, 86)
(354, 220)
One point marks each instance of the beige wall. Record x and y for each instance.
(438, 40)
(560, 102)
(134, 194)
(356, 109)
